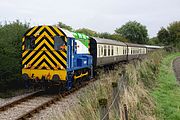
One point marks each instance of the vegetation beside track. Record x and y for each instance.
(11, 39)
(167, 91)
(10, 55)
(140, 77)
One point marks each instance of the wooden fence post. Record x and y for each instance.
(125, 112)
(116, 98)
(104, 115)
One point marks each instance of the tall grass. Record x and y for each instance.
(140, 77)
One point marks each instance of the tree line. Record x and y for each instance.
(11, 39)
(10, 54)
(135, 32)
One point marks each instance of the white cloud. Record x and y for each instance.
(100, 15)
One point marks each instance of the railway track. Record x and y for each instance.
(18, 101)
(28, 106)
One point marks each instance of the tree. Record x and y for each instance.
(104, 35)
(171, 35)
(62, 25)
(118, 37)
(174, 33)
(87, 31)
(153, 41)
(134, 31)
(10, 53)
(163, 36)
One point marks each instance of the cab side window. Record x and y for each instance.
(29, 42)
(59, 43)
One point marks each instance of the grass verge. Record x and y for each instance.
(167, 91)
(140, 79)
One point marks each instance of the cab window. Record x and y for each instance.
(29, 42)
(59, 43)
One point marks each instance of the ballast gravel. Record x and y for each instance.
(20, 109)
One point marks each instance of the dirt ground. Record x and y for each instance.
(176, 67)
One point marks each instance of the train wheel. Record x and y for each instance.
(26, 81)
(61, 87)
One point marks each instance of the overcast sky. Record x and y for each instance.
(98, 15)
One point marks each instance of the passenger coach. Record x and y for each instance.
(106, 51)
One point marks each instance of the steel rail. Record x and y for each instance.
(18, 101)
(30, 113)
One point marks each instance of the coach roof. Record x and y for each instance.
(135, 45)
(108, 41)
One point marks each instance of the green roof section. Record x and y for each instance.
(80, 36)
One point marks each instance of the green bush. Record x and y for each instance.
(10, 54)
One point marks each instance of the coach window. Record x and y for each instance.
(123, 50)
(112, 51)
(105, 51)
(30, 42)
(101, 50)
(108, 50)
(117, 52)
(59, 43)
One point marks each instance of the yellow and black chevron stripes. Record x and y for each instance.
(43, 56)
(38, 30)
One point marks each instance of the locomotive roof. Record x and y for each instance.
(108, 41)
(68, 33)
(75, 34)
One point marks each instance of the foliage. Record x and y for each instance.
(134, 92)
(118, 37)
(153, 41)
(167, 92)
(112, 36)
(174, 32)
(62, 25)
(163, 36)
(10, 53)
(133, 31)
(87, 31)
(104, 35)
(171, 35)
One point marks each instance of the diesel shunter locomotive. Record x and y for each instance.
(53, 56)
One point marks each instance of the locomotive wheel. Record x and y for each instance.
(61, 87)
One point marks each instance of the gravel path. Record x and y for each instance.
(176, 67)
